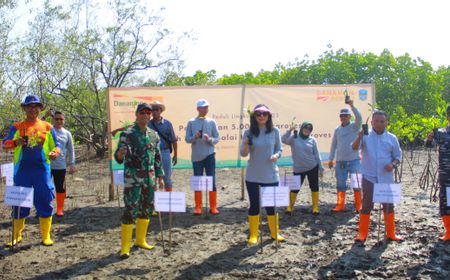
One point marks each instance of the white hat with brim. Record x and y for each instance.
(202, 103)
(157, 104)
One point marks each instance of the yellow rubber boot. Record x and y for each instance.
(446, 221)
(274, 228)
(19, 225)
(253, 222)
(292, 199)
(46, 225)
(141, 234)
(126, 236)
(315, 202)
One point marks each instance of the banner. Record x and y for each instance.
(319, 104)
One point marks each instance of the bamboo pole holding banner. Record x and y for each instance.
(259, 226)
(275, 216)
(241, 122)
(170, 221)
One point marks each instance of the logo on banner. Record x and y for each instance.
(362, 93)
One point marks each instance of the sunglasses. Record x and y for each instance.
(344, 116)
(308, 128)
(259, 114)
(58, 119)
(146, 112)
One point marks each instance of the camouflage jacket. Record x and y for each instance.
(143, 159)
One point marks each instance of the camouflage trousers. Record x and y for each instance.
(444, 182)
(138, 203)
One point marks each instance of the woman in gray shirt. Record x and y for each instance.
(262, 141)
(307, 162)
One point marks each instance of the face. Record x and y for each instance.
(32, 111)
(202, 111)
(143, 116)
(379, 123)
(58, 120)
(306, 130)
(261, 117)
(345, 119)
(156, 112)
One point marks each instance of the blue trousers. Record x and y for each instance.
(253, 197)
(40, 180)
(167, 166)
(343, 170)
(208, 165)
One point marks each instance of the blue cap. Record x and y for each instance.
(143, 106)
(31, 99)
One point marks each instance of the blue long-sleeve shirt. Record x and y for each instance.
(200, 147)
(379, 150)
(260, 168)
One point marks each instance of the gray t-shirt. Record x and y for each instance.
(67, 150)
(343, 137)
(260, 169)
(305, 153)
(200, 147)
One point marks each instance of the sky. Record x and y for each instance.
(238, 36)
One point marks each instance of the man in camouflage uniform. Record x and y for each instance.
(441, 137)
(138, 149)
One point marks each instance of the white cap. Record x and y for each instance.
(202, 103)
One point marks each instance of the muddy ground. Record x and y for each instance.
(87, 238)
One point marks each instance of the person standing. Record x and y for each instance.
(380, 155)
(202, 134)
(307, 163)
(35, 144)
(138, 149)
(59, 166)
(347, 159)
(168, 140)
(262, 141)
(441, 137)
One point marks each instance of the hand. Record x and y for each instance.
(430, 136)
(49, 113)
(330, 164)
(321, 173)
(247, 142)
(52, 155)
(19, 142)
(72, 169)
(198, 135)
(291, 127)
(206, 137)
(350, 103)
(122, 152)
(174, 160)
(361, 134)
(161, 182)
(274, 158)
(389, 167)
